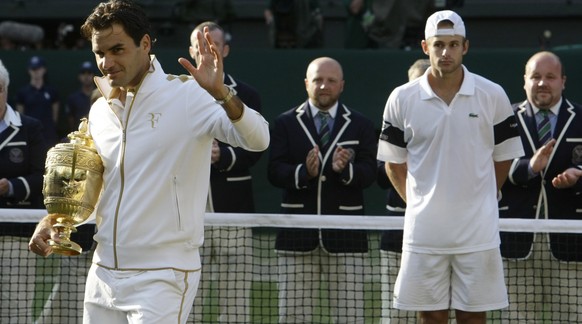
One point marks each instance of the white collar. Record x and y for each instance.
(555, 109)
(314, 110)
(11, 117)
(110, 92)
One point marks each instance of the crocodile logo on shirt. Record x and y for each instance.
(473, 115)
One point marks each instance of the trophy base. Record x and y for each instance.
(67, 248)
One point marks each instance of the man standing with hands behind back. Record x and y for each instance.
(545, 184)
(448, 139)
(154, 133)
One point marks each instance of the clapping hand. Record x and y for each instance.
(567, 179)
(341, 158)
(312, 162)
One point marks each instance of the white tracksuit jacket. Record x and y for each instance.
(157, 166)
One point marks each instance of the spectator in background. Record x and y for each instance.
(385, 27)
(221, 12)
(416, 13)
(395, 24)
(391, 240)
(374, 23)
(358, 15)
(322, 156)
(418, 68)
(40, 100)
(228, 250)
(448, 139)
(21, 36)
(546, 183)
(22, 158)
(68, 37)
(79, 102)
(294, 23)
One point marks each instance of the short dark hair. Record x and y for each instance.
(124, 12)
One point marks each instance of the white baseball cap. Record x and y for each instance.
(433, 21)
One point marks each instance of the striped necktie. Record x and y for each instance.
(544, 127)
(324, 132)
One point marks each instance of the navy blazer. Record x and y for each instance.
(521, 197)
(293, 135)
(22, 157)
(231, 174)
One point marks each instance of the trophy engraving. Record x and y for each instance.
(72, 183)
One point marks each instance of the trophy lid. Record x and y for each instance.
(82, 136)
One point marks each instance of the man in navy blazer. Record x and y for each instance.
(322, 174)
(546, 183)
(22, 157)
(227, 251)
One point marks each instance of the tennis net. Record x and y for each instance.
(243, 274)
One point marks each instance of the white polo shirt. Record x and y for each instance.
(449, 150)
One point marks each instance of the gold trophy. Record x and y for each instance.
(72, 183)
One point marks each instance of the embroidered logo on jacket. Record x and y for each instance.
(16, 155)
(154, 119)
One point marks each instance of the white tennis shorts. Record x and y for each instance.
(471, 282)
(139, 297)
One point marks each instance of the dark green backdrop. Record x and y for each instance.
(278, 75)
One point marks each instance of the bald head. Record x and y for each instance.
(544, 80)
(212, 26)
(324, 82)
(417, 69)
(547, 58)
(216, 34)
(326, 63)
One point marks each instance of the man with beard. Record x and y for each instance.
(546, 183)
(323, 157)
